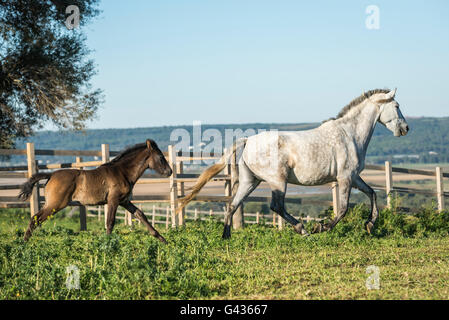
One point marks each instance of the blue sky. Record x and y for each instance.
(173, 62)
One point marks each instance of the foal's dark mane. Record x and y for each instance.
(355, 102)
(126, 154)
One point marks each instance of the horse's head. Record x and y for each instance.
(390, 114)
(156, 159)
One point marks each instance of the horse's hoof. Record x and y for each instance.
(26, 236)
(317, 228)
(299, 228)
(369, 226)
(226, 236)
(321, 228)
(226, 232)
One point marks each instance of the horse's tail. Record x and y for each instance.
(27, 187)
(209, 173)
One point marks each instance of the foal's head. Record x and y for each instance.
(156, 159)
(390, 114)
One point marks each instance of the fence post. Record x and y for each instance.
(196, 214)
(83, 216)
(257, 217)
(32, 169)
(274, 219)
(237, 219)
(181, 192)
(128, 218)
(99, 213)
(173, 186)
(153, 216)
(440, 188)
(280, 222)
(104, 159)
(388, 183)
(335, 198)
(167, 217)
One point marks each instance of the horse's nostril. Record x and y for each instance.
(406, 128)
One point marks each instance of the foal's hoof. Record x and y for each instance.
(26, 236)
(162, 239)
(369, 226)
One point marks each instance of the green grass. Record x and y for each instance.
(259, 262)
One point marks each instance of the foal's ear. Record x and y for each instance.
(149, 146)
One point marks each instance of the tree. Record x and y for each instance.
(45, 71)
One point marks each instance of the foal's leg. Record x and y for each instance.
(141, 216)
(278, 206)
(39, 218)
(112, 210)
(247, 183)
(57, 198)
(366, 189)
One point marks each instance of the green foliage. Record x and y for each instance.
(258, 262)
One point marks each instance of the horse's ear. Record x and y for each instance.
(391, 94)
(149, 146)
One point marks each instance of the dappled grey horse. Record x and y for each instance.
(335, 151)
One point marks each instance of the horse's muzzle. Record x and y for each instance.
(404, 129)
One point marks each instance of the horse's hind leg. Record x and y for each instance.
(141, 216)
(57, 197)
(278, 206)
(41, 216)
(247, 183)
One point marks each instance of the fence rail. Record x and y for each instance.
(162, 215)
(176, 183)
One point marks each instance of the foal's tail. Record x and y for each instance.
(209, 173)
(27, 187)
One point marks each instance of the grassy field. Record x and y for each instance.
(259, 262)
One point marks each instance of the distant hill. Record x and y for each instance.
(427, 141)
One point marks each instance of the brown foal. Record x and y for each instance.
(111, 183)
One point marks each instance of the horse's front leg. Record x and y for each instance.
(141, 216)
(366, 189)
(344, 187)
(112, 210)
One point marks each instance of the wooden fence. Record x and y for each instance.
(162, 215)
(176, 183)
